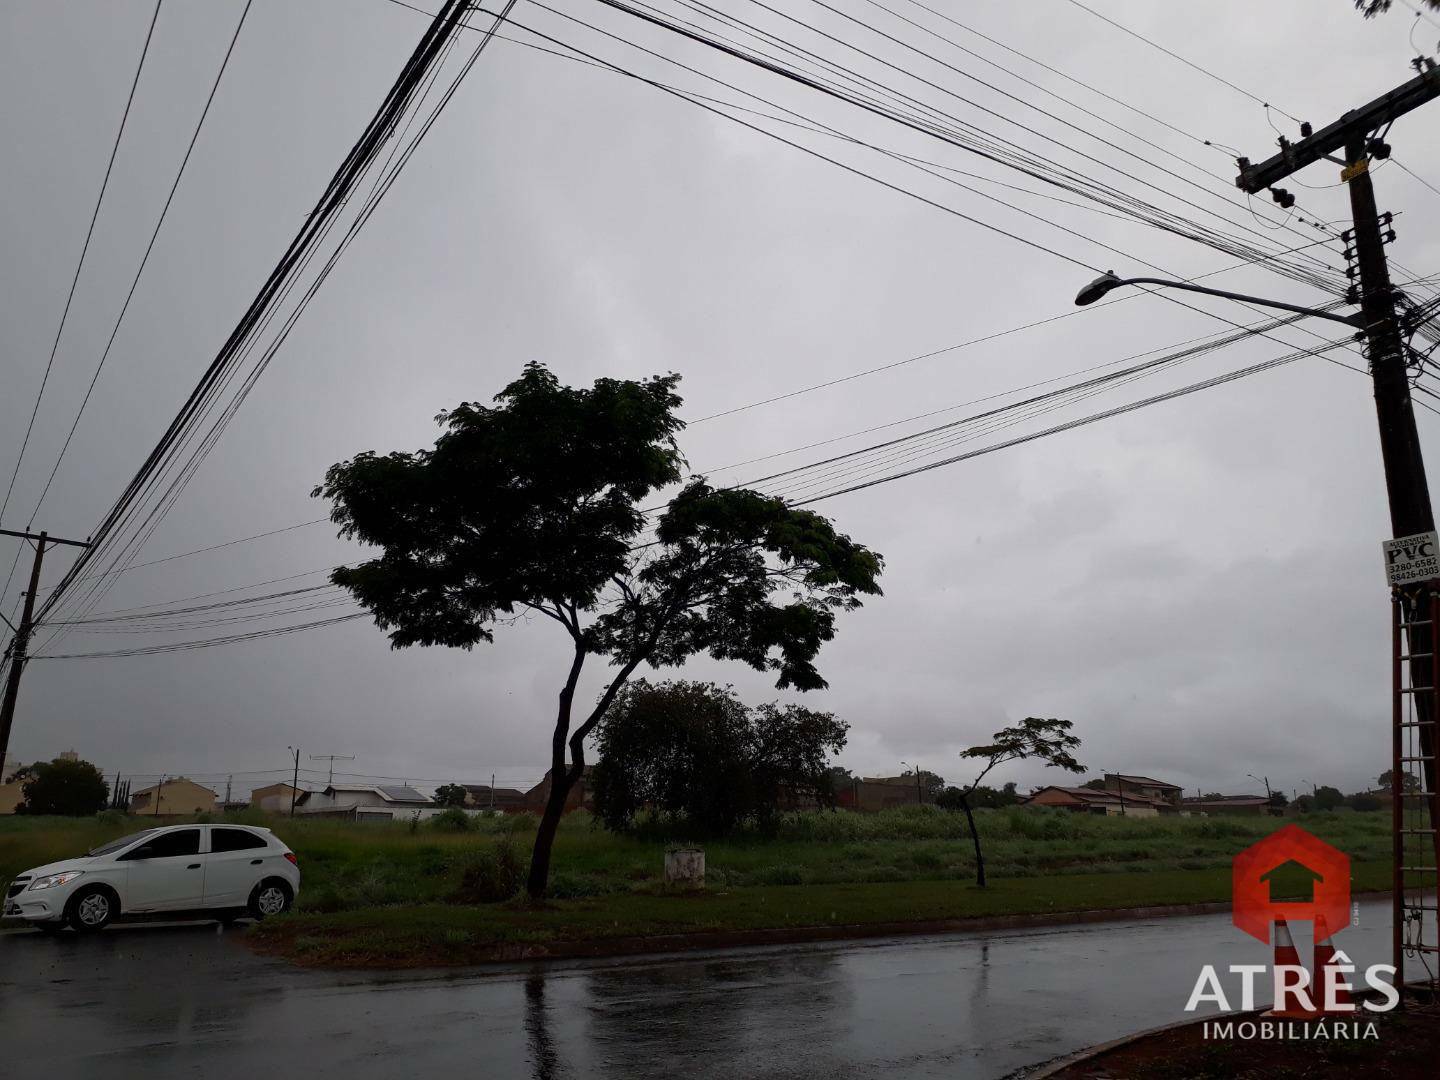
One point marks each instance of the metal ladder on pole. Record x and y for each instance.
(1415, 808)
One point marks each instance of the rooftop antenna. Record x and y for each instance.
(331, 758)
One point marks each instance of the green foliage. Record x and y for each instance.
(1278, 801)
(1365, 802)
(1371, 8)
(694, 755)
(493, 874)
(69, 788)
(450, 795)
(1328, 798)
(453, 819)
(534, 504)
(1409, 781)
(355, 867)
(952, 798)
(1034, 738)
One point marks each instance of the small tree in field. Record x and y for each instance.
(535, 505)
(450, 795)
(1049, 741)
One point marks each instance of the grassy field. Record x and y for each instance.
(387, 893)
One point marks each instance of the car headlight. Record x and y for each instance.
(50, 881)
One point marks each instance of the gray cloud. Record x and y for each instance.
(1196, 585)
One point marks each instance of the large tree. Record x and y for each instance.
(72, 788)
(1034, 738)
(696, 754)
(536, 505)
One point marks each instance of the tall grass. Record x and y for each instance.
(348, 865)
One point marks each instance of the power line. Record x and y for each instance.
(1093, 418)
(144, 260)
(361, 156)
(1041, 169)
(1188, 63)
(212, 547)
(185, 646)
(80, 264)
(1408, 172)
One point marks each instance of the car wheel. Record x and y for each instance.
(271, 897)
(93, 908)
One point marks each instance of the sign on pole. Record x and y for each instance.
(1412, 558)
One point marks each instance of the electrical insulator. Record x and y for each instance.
(1283, 197)
(1378, 148)
(1306, 130)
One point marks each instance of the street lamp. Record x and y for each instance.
(1108, 281)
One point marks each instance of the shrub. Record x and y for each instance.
(493, 875)
(568, 886)
(782, 874)
(451, 820)
(112, 817)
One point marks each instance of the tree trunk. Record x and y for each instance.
(560, 784)
(975, 836)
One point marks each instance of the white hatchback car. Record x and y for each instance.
(221, 871)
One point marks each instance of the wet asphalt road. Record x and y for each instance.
(183, 1001)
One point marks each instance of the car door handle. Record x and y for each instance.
(256, 862)
(193, 866)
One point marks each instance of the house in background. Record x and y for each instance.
(275, 798)
(484, 797)
(11, 795)
(1254, 805)
(1092, 801)
(1144, 787)
(873, 793)
(581, 796)
(177, 796)
(367, 802)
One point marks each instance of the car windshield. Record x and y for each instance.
(116, 845)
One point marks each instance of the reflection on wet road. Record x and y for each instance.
(189, 1001)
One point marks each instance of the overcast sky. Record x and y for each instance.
(1197, 585)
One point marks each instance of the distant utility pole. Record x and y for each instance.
(1359, 134)
(21, 641)
(331, 758)
(1264, 780)
(295, 784)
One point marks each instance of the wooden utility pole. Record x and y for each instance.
(1360, 135)
(20, 643)
(295, 782)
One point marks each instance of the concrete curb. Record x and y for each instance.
(1079, 1057)
(731, 939)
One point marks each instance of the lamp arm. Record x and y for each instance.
(1356, 321)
